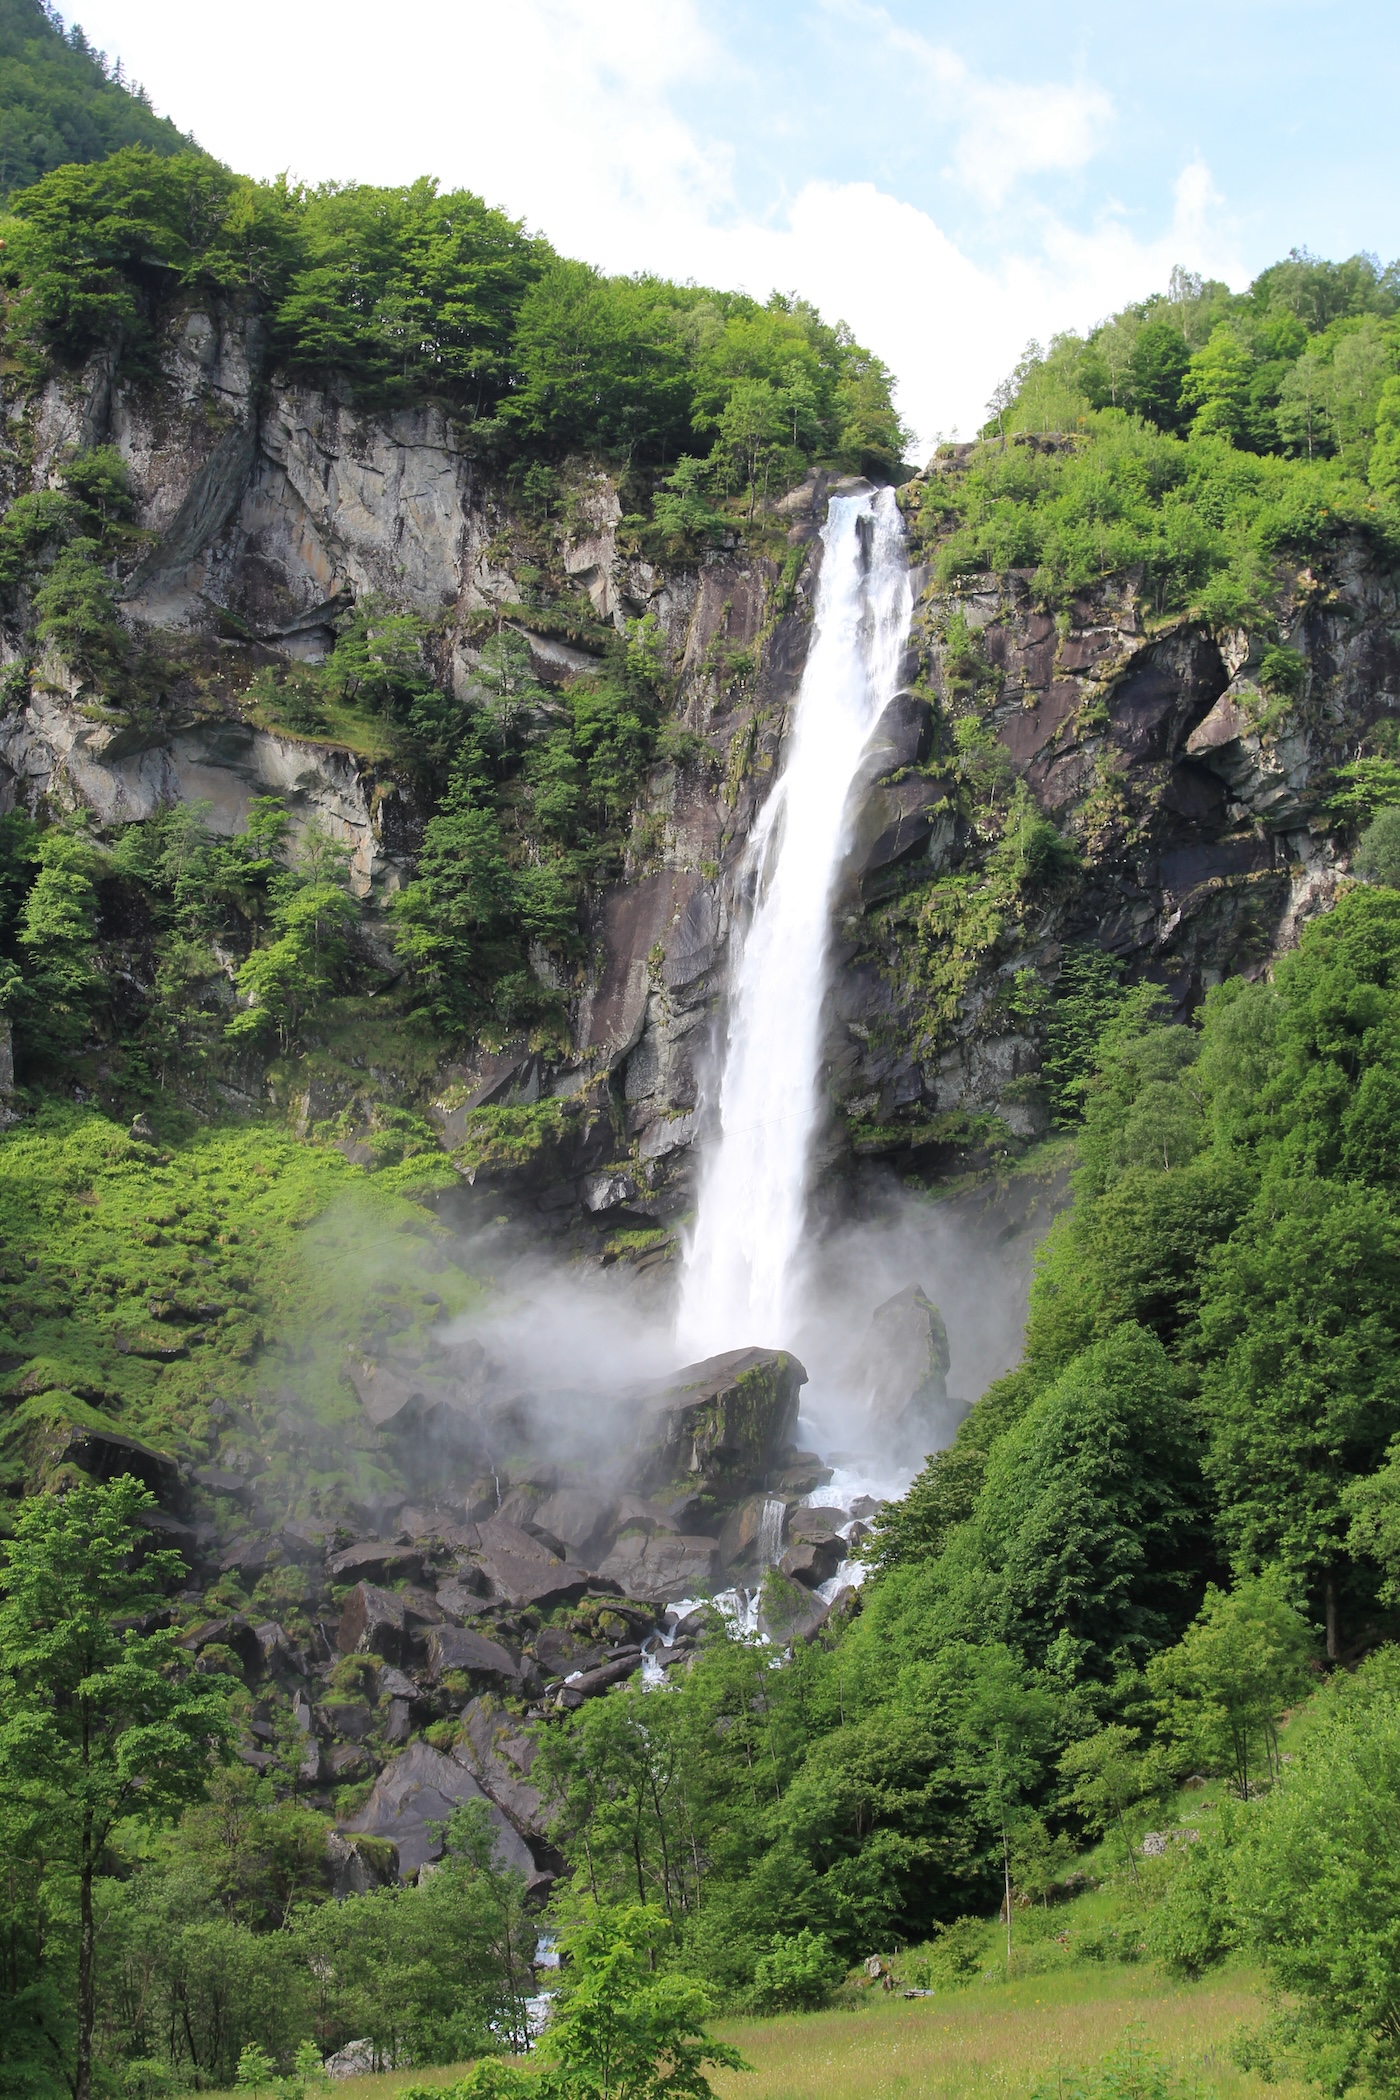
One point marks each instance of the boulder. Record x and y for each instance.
(559, 1652)
(501, 1755)
(375, 1560)
(801, 1472)
(347, 1761)
(373, 1622)
(813, 1561)
(462, 1597)
(816, 1521)
(753, 1533)
(351, 1718)
(577, 1518)
(663, 1564)
(907, 1408)
(355, 1869)
(523, 1571)
(235, 1633)
(457, 1648)
(787, 1610)
(105, 1455)
(722, 1425)
(416, 1792)
(590, 1682)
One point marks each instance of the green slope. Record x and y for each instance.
(60, 102)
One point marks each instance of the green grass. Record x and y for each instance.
(1003, 2038)
(259, 1259)
(986, 2040)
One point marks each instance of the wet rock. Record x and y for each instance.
(522, 1571)
(787, 1610)
(375, 1560)
(753, 1532)
(373, 1622)
(416, 1792)
(722, 1424)
(398, 1725)
(816, 1521)
(347, 1761)
(105, 1455)
(663, 1564)
(577, 1518)
(813, 1561)
(590, 1682)
(457, 1648)
(356, 1869)
(501, 1756)
(801, 1472)
(907, 1409)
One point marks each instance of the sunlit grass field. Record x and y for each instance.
(988, 2039)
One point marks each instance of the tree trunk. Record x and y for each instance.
(82, 2079)
(1329, 1605)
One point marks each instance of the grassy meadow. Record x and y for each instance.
(984, 2040)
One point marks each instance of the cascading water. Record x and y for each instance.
(742, 1266)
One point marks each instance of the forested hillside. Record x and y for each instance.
(399, 626)
(60, 101)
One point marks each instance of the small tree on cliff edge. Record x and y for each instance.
(97, 1719)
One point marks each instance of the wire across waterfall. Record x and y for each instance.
(742, 1275)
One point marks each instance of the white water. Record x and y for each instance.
(743, 1272)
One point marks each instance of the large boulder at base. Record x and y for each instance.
(788, 1611)
(105, 1455)
(385, 1623)
(753, 1533)
(458, 1648)
(418, 1791)
(663, 1564)
(721, 1426)
(374, 1560)
(500, 1755)
(522, 1571)
(813, 1561)
(907, 1408)
(575, 1516)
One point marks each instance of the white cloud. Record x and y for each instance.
(1002, 130)
(564, 112)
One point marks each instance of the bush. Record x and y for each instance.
(1378, 853)
(798, 1973)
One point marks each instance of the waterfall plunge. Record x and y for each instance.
(742, 1274)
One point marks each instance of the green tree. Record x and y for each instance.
(1378, 849)
(1216, 385)
(1220, 1690)
(1091, 1511)
(98, 1721)
(624, 2032)
(1317, 1889)
(1108, 1778)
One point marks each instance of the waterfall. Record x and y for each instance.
(741, 1275)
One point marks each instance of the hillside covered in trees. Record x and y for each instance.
(297, 1028)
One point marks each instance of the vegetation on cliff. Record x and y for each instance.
(1199, 437)
(402, 295)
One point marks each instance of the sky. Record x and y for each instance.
(949, 180)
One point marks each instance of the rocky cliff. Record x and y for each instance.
(1191, 798)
